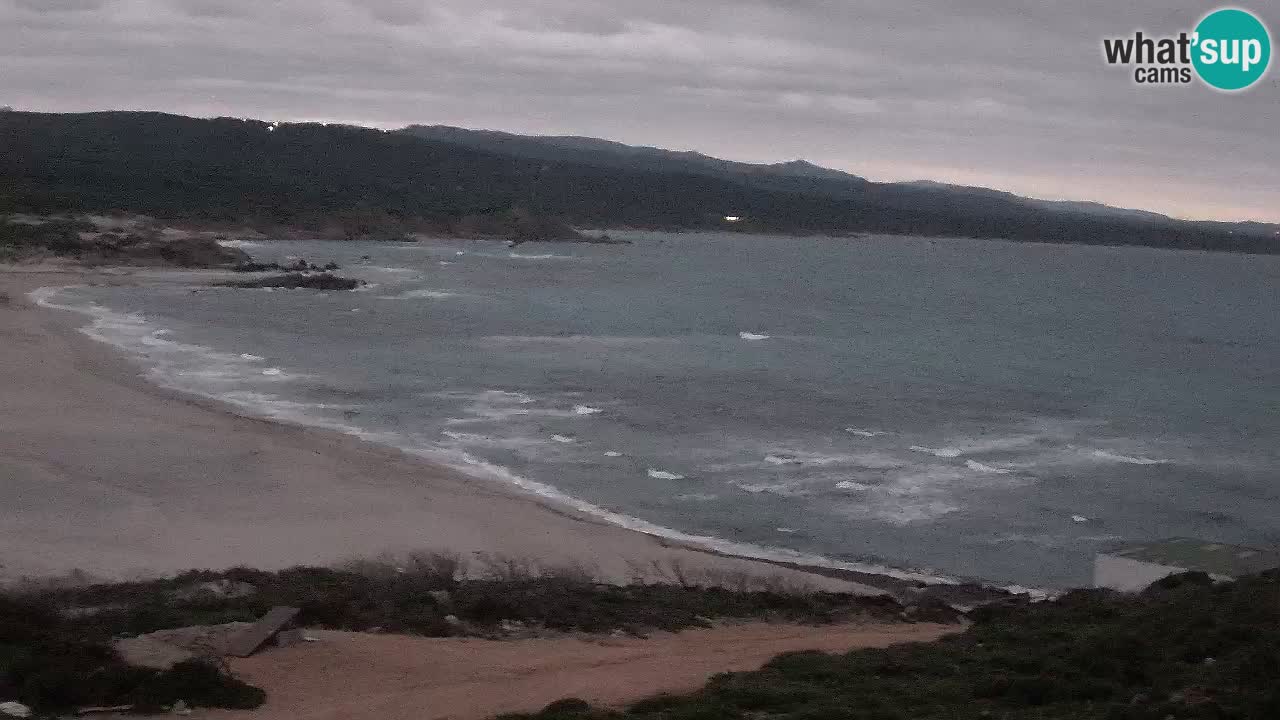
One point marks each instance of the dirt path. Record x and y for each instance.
(390, 677)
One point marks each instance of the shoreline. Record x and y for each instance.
(283, 493)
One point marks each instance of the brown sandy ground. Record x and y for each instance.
(393, 677)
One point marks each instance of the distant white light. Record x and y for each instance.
(733, 218)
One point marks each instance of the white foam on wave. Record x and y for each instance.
(169, 362)
(602, 340)
(664, 475)
(1127, 459)
(865, 433)
(564, 439)
(239, 244)
(781, 489)
(797, 458)
(586, 410)
(976, 466)
(542, 256)
(420, 294)
(973, 447)
(1079, 519)
(489, 441)
(477, 467)
(782, 460)
(914, 496)
(226, 377)
(752, 336)
(612, 454)
(499, 406)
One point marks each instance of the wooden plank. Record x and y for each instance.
(251, 638)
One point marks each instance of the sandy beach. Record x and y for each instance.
(108, 474)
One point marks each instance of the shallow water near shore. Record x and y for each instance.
(958, 408)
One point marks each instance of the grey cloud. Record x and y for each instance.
(60, 5)
(984, 92)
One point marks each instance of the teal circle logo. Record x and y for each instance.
(1232, 49)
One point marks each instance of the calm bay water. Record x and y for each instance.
(972, 409)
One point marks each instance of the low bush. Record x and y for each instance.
(48, 664)
(427, 594)
(1185, 648)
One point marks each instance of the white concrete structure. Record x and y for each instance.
(1132, 569)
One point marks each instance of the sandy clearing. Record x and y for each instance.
(392, 677)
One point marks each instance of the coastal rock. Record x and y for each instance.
(15, 709)
(149, 652)
(297, 280)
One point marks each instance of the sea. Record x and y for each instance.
(938, 409)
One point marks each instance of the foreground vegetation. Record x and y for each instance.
(55, 642)
(1186, 648)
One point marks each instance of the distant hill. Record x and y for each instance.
(361, 180)
(795, 176)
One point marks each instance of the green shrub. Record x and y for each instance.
(1182, 649)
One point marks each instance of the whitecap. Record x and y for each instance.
(779, 489)
(1116, 457)
(865, 433)
(273, 372)
(752, 336)
(976, 446)
(664, 475)
(976, 466)
(1079, 519)
(786, 530)
(851, 485)
(938, 452)
(247, 356)
(544, 256)
(505, 443)
(698, 497)
(420, 294)
(563, 439)
(782, 460)
(612, 453)
(586, 410)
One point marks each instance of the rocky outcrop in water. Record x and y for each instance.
(295, 281)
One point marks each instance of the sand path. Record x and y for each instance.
(390, 677)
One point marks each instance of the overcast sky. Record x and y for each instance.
(1003, 94)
